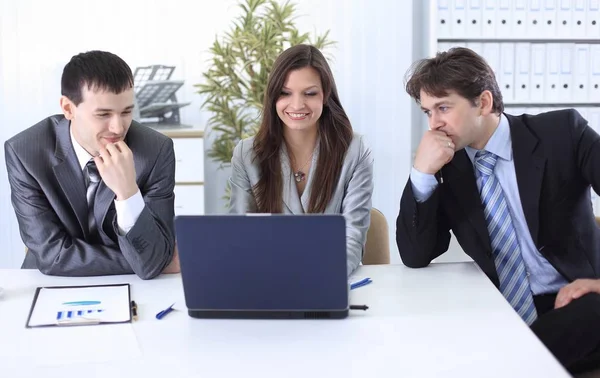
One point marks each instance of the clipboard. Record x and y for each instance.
(80, 305)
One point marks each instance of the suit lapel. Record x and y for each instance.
(69, 175)
(530, 165)
(290, 193)
(460, 178)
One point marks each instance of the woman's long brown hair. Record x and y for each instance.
(334, 130)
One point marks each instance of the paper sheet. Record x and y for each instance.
(76, 305)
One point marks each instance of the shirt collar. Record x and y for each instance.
(499, 144)
(82, 155)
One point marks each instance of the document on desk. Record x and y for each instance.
(80, 305)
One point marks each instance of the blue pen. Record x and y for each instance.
(163, 313)
(360, 283)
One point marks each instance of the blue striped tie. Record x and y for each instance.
(514, 283)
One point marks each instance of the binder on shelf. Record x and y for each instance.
(443, 18)
(581, 72)
(473, 18)
(552, 79)
(488, 19)
(593, 19)
(519, 26)
(565, 90)
(522, 67)
(491, 54)
(476, 46)
(563, 19)
(503, 18)
(444, 46)
(534, 18)
(594, 73)
(458, 12)
(537, 71)
(593, 118)
(548, 26)
(578, 18)
(507, 71)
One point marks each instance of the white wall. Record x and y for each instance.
(375, 47)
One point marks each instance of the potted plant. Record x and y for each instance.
(234, 86)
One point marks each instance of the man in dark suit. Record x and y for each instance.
(92, 189)
(515, 191)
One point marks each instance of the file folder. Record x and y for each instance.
(444, 19)
(488, 19)
(473, 18)
(594, 73)
(503, 18)
(507, 71)
(522, 63)
(552, 79)
(549, 18)
(534, 18)
(593, 19)
(564, 19)
(565, 89)
(458, 13)
(578, 26)
(581, 73)
(519, 26)
(537, 72)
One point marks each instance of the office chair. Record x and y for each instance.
(377, 247)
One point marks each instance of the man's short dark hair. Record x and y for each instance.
(460, 70)
(99, 70)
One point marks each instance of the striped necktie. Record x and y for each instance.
(514, 282)
(92, 181)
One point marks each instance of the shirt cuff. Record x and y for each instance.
(128, 211)
(423, 184)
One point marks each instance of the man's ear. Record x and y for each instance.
(68, 107)
(486, 102)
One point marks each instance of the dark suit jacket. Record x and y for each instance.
(556, 157)
(49, 197)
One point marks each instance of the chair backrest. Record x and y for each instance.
(377, 247)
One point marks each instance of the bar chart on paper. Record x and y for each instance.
(81, 305)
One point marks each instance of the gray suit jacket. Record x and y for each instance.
(352, 196)
(49, 198)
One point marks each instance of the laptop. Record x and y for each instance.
(263, 266)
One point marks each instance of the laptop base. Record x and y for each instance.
(206, 314)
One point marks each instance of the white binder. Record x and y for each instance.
(534, 18)
(522, 66)
(578, 25)
(476, 46)
(549, 18)
(444, 18)
(552, 79)
(594, 73)
(581, 73)
(473, 26)
(567, 55)
(564, 19)
(507, 71)
(593, 19)
(503, 18)
(537, 72)
(491, 54)
(458, 12)
(488, 19)
(519, 26)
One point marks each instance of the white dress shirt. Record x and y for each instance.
(128, 210)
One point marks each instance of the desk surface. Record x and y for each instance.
(446, 320)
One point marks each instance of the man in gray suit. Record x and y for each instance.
(92, 189)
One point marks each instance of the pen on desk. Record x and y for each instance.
(363, 282)
(359, 307)
(164, 312)
(134, 310)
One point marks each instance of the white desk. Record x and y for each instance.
(446, 320)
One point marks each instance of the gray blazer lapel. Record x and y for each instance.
(308, 188)
(290, 192)
(69, 175)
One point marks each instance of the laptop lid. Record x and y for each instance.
(256, 265)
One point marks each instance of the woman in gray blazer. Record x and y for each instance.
(305, 157)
